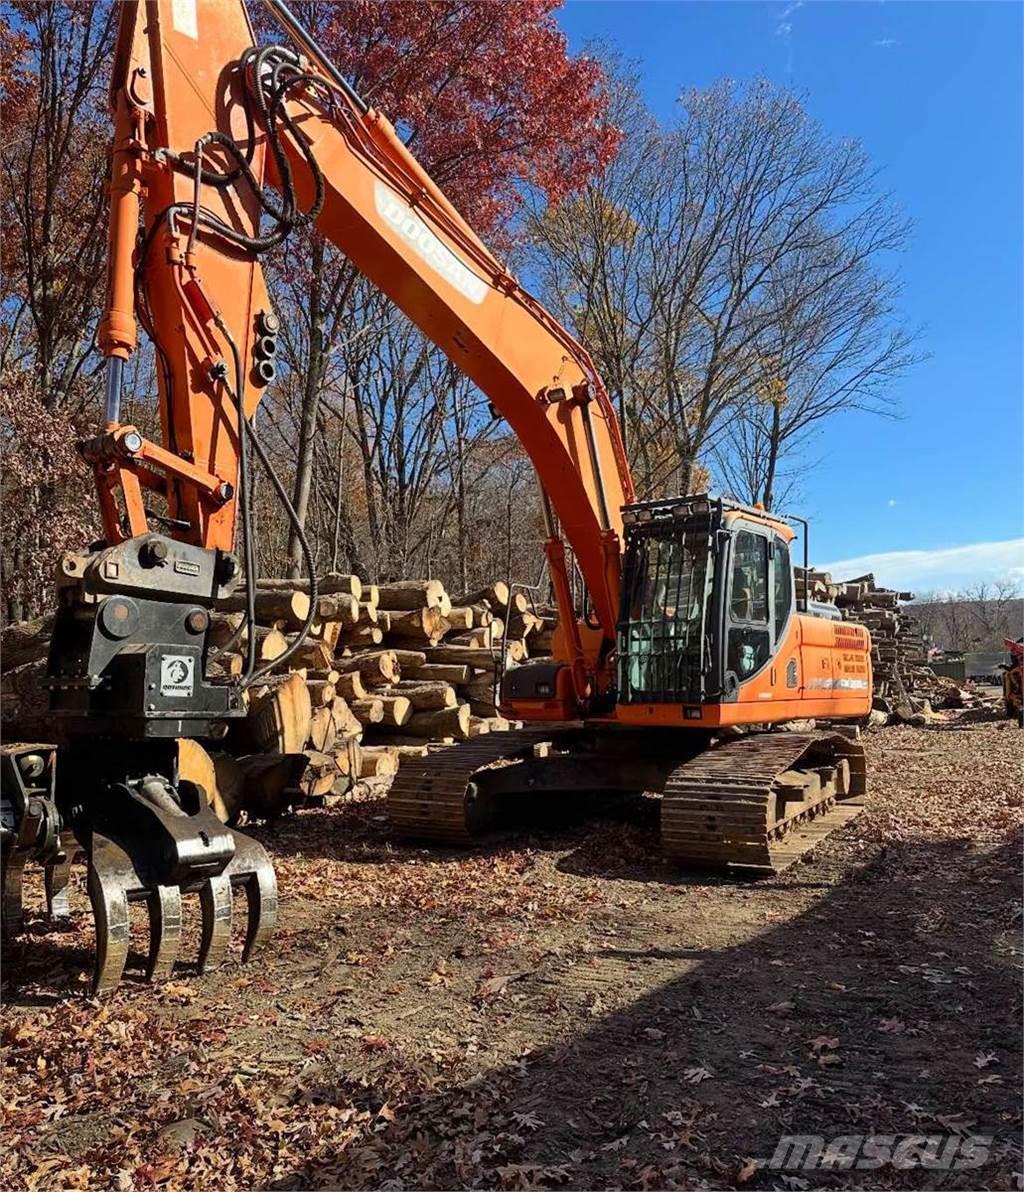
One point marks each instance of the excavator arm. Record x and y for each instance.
(203, 120)
(222, 148)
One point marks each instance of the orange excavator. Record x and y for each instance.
(693, 635)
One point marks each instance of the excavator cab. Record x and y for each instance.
(707, 605)
(707, 598)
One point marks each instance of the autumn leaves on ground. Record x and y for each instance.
(558, 1009)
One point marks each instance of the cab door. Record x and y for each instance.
(762, 636)
(785, 676)
(748, 640)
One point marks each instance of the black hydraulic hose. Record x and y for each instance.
(303, 38)
(244, 505)
(247, 437)
(271, 106)
(307, 554)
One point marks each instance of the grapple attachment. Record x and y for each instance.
(115, 881)
(145, 840)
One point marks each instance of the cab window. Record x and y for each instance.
(750, 578)
(749, 642)
(783, 585)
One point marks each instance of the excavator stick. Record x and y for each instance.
(138, 861)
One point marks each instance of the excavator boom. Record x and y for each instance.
(191, 86)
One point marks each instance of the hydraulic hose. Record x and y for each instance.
(247, 437)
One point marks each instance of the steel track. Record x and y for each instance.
(434, 799)
(725, 807)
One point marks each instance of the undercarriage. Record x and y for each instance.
(753, 803)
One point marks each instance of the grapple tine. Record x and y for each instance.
(57, 876)
(250, 870)
(13, 911)
(261, 907)
(111, 875)
(164, 905)
(215, 902)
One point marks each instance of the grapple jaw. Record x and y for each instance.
(115, 880)
(146, 839)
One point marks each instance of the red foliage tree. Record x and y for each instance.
(486, 94)
(45, 490)
(53, 160)
(489, 99)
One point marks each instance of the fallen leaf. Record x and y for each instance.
(747, 1171)
(955, 1123)
(495, 985)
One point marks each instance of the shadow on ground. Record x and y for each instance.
(891, 1007)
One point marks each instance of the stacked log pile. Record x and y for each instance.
(384, 670)
(904, 686)
(896, 643)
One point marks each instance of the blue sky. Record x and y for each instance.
(934, 91)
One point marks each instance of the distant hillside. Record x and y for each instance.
(956, 623)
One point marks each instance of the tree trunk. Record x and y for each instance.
(774, 446)
(461, 656)
(376, 667)
(495, 594)
(426, 697)
(279, 721)
(338, 608)
(350, 686)
(289, 606)
(334, 583)
(368, 711)
(409, 594)
(422, 624)
(447, 722)
(431, 673)
(377, 761)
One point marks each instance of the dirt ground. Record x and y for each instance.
(559, 1009)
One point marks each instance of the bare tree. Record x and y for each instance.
(736, 246)
(55, 170)
(835, 342)
(977, 618)
(995, 608)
